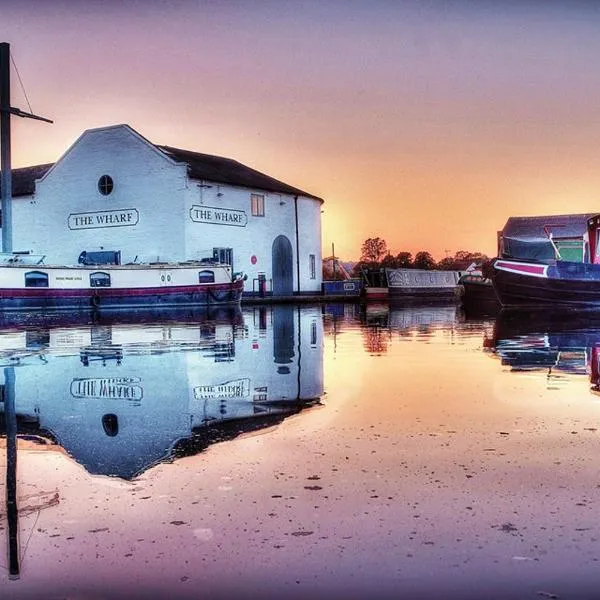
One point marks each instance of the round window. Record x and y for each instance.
(105, 185)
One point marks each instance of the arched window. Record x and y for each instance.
(99, 279)
(206, 277)
(36, 279)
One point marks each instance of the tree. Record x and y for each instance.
(461, 260)
(424, 260)
(389, 261)
(373, 250)
(446, 264)
(404, 260)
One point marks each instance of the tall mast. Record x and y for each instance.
(6, 167)
(6, 110)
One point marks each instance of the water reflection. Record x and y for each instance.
(121, 395)
(554, 343)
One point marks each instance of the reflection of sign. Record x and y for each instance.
(104, 218)
(107, 387)
(218, 216)
(238, 388)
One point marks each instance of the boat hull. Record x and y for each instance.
(422, 285)
(527, 284)
(42, 288)
(119, 299)
(478, 295)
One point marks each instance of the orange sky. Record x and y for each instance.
(425, 123)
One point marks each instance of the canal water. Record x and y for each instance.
(300, 452)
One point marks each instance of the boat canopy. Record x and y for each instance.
(528, 237)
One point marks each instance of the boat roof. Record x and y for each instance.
(532, 228)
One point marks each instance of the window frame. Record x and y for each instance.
(100, 279)
(36, 276)
(257, 205)
(106, 185)
(206, 272)
(312, 266)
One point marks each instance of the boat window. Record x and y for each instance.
(206, 277)
(99, 279)
(36, 279)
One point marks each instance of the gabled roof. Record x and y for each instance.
(204, 167)
(532, 228)
(23, 180)
(225, 170)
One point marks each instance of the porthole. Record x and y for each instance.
(105, 185)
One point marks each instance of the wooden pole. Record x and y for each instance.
(5, 165)
(12, 512)
(334, 259)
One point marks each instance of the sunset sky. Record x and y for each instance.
(425, 123)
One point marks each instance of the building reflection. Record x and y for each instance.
(121, 395)
(555, 343)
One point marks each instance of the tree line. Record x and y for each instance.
(375, 254)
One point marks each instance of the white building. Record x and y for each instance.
(114, 191)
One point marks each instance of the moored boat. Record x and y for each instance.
(410, 284)
(117, 287)
(527, 283)
(477, 294)
(422, 284)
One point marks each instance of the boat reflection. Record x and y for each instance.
(381, 320)
(551, 342)
(122, 395)
(412, 316)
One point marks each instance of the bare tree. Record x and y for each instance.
(373, 250)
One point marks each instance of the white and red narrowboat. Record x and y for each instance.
(527, 283)
(117, 287)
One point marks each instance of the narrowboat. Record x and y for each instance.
(25, 286)
(554, 282)
(525, 238)
(477, 293)
(422, 284)
(410, 284)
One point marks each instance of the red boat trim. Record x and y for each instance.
(522, 268)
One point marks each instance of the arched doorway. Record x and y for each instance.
(283, 267)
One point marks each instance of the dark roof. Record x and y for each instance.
(561, 226)
(225, 170)
(23, 180)
(200, 166)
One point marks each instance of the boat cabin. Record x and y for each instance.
(549, 237)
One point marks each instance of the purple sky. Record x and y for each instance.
(425, 123)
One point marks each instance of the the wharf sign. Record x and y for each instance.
(239, 388)
(125, 217)
(113, 388)
(218, 216)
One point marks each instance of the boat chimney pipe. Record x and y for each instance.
(5, 164)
